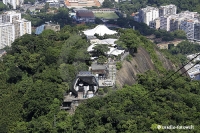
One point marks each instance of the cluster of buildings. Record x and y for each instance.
(46, 26)
(105, 73)
(12, 26)
(193, 69)
(166, 18)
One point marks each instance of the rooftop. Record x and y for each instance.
(84, 13)
(98, 67)
(99, 29)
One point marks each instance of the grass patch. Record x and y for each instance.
(111, 15)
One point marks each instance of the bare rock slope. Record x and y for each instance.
(140, 63)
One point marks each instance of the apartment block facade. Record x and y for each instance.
(197, 31)
(167, 10)
(188, 27)
(165, 18)
(7, 34)
(12, 27)
(148, 14)
(155, 24)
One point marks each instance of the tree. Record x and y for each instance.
(101, 49)
(98, 21)
(101, 59)
(129, 39)
(107, 4)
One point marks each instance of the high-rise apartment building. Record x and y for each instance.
(13, 3)
(167, 10)
(188, 26)
(12, 27)
(7, 34)
(155, 24)
(165, 22)
(197, 31)
(10, 16)
(148, 14)
(22, 27)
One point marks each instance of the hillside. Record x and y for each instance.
(38, 70)
(140, 63)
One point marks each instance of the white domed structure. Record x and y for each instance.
(99, 29)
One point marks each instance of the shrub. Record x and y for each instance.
(119, 65)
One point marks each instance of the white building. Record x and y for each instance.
(165, 22)
(11, 2)
(148, 14)
(22, 27)
(14, 3)
(10, 16)
(113, 50)
(7, 34)
(197, 31)
(167, 10)
(12, 27)
(188, 27)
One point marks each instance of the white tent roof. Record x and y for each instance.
(99, 29)
(115, 51)
(105, 41)
(90, 48)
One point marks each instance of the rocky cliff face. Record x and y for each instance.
(140, 63)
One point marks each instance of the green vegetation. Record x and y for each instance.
(111, 15)
(101, 49)
(177, 54)
(61, 17)
(119, 65)
(102, 59)
(136, 109)
(170, 36)
(134, 5)
(38, 70)
(184, 48)
(3, 6)
(107, 4)
(35, 74)
(129, 58)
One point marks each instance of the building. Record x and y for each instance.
(100, 71)
(197, 31)
(12, 27)
(167, 10)
(188, 26)
(85, 16)
(7, 34)
(40, 29)
(81, 3)
(22, 27)
(174, 24)
(101, 30)
(10, 16)
(148, 14)
(165, 23)
(103, 10)
(155, 24)
(193, 70)
(14, 3)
